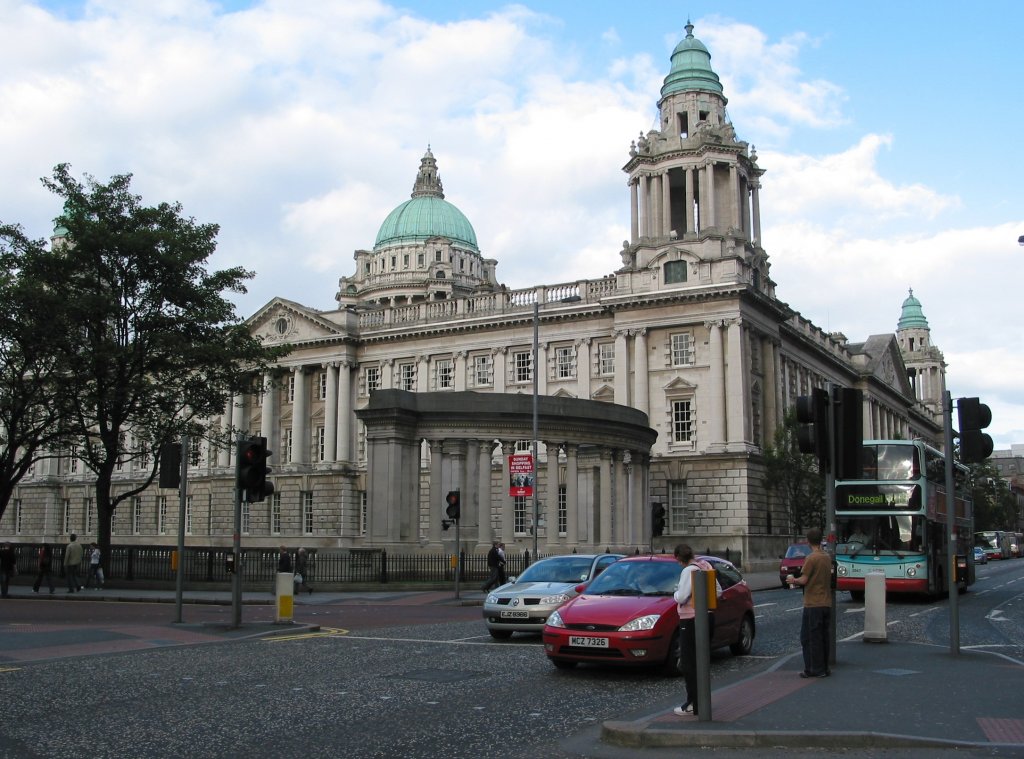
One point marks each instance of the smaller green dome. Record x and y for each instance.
(691, 68)
(912, 317)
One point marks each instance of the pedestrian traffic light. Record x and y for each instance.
(454, 509)
(848, 427)
(657, 520)
(975, 416)
(812, 435)
(251, 469)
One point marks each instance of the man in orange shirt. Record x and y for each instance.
(816, 579)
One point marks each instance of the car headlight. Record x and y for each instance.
(557, 599)
(555, 620)
(640, 623)
(842, 570)
(911, 572)
(492, 599)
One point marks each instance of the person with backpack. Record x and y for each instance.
(43, 565)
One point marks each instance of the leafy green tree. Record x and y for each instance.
(150, 347)
(32, 413)
(995, 507)
(793, 478)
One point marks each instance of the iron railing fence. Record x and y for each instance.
(208, 564)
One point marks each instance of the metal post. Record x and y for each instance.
(458, 557)
(830, 517)
(182, 496)
(954, 591)
(702, 638)
(536, 371)
(236, 579)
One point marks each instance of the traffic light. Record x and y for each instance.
(251, 469)
(811, 434)
(975, 416)
(454, 509)
(170, 465)
(657, 520)
(848, 426)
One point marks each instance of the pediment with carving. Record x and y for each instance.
(283, 321)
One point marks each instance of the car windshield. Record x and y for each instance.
(563, 569)
(801, 550)
(637, 578)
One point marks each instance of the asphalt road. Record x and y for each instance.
(405, 682)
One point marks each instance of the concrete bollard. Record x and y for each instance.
(285, 597)
(875, 630)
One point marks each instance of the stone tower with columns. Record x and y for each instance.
(926, 367)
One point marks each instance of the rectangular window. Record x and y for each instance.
(246, 517)
(370, 379)
(565, 362)
(677, 507)
(682, 349)
(321, 444)
(606, 358)
(73, 460)
(307, 513)
(419, 259)
(407, 377)
(275, 514)
(17, 516)
(563, 511)
(287, 446)
(322, 384)
(444, 374)
(675, 272)
(87, 506)
(188, 515)
(291, 389)
(682, 421)
(362, 512)
(195, 452)
(522, 367)
(136, 515)
(67, 516)
(520, 525)
(161, 514)
(483, 371)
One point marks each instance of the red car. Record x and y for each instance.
(792, 563)
(627, 616)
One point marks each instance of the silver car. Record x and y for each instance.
(523, 605)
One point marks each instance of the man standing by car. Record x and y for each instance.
(816, 579)
(496, 563)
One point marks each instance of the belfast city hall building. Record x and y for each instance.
(662, 382)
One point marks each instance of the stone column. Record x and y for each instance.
(583, 368)
(483, 488)
(542, 368)
(756, 201)
(300, 417)
(506, 530)
(331, 413)
(551, 496)
(737, 403)
(572, 506)
(423, 374)
(605, 511)
(691, 225)
(645, 205)
(734, 198)
(499, 355)
(620, 522)
(459, 367)
(716, 387)
(435, 509)
(666, 203)
(638, 506)
(268, 408)
(708, 207)
(634, 212)
(770, 395)
(224, 454)
(345, 416)
(387, 374)
(640, 378)
(622, 367)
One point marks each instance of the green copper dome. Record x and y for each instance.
(691, 68)
(427, 214)
(912, 317)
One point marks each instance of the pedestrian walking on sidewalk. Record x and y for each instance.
(284, 564)
(496, 564)
(302, 572)
(687, 634)
(95, 570)
(73, 563)
(43, 564)
(8, 567)
(816, 579)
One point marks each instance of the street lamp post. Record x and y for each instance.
(536, 507)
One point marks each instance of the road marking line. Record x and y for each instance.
(325, 632)
(9, 669)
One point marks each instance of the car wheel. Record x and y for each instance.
(857, 595)
(672, 660)
(745, 642)
(564, 663)
(500, 634)
(785, 585)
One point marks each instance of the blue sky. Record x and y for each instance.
(889, 132)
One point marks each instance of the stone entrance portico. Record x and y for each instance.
(594, 454)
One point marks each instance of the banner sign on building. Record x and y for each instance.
(520, 475)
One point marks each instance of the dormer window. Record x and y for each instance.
(675, 272)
